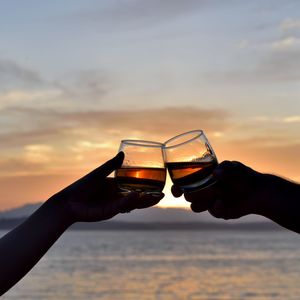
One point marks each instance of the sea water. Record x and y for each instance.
(147, 265)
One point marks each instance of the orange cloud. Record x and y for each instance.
(59, 147)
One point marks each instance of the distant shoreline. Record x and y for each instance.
(7, 224)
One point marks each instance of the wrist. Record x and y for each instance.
(275, 194)
(60, 210)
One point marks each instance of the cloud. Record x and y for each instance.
(275, 66)
(277, 60)
(132, 14)
(12, 75)
(289, 38)
(282, 66)
(266, 154)
(57, 142)
(160, 120)
(292, 119)
(84, 86)
(33, 181)
(287, 119)
(34, 97)
(26, 88)
(59, 147)
(290, 24)
(49, 124)
(38, 153)
(286, 43)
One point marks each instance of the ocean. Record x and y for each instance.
(163, 265)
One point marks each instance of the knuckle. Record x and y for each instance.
(225, 164)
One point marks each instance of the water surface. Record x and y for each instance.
(148, 265)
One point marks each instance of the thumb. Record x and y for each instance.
(225, 172)
(110, 165)
(91, 181)
(107, 168)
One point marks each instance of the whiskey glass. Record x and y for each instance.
(190, 160)
(143, 169)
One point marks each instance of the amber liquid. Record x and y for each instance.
(149, 180)
(192, 175)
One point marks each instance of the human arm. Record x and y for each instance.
(92, 198)
(240, 191)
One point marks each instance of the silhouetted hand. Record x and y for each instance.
(235, 194)
(95, 197)
(240, 190)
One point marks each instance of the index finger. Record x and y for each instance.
(209, 193)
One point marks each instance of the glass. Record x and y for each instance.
(190, 160)
(143, 168)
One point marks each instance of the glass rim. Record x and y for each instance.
(142, 143)
(198, 131)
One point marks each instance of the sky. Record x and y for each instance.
(78, 76)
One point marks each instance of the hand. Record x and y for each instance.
(239, 191)
(95, 197)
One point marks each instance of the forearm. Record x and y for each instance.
(23, 247)
(281, 202)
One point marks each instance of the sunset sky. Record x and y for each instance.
(76, 77)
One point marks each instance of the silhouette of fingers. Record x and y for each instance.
(97, 211)
(176, 191)
(229, 171)
(202, 204)
(219, 210)
(208, 193)
(137, 200)
(147, 200)
(128, 202)
(225, 171)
